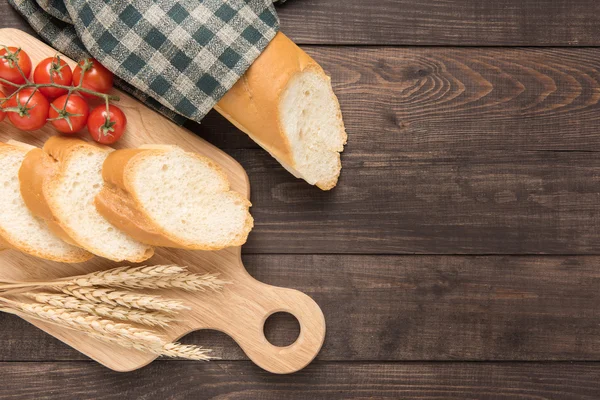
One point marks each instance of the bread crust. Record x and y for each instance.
(37, 169)
(4, 245)
(118, 203)
(42, 171)
(252, 104)
(6, 241)
(120, 208)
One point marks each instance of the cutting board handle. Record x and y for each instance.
(288, 359)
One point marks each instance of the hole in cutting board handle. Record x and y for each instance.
(282, 329)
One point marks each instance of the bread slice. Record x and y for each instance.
(19, 228)
(285, 103)
(164, 196)
(60, 182)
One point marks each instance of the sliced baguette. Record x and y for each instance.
(19, 228)
(164, 196)
(285, 103)
(59, 184)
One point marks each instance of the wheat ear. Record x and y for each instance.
(124, 335)
(126, 275)
(124, 298)
(188, 351)
(184, 281)
(149, 318)
(174, 350)
(146, 277)
(121, 276)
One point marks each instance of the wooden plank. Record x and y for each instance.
(430, 203)
(389, 308)
(320, 381)
(427, 99)
(450, 22)
(423, 22)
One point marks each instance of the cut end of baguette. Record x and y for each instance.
(311, 119)
(19, 228)
(71, 198)
(170, 197)
(286, 104)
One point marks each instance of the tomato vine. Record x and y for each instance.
(24, 109)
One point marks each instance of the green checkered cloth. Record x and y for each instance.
(177, 56)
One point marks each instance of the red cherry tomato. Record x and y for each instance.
(2, 105)
(29, 111)
(106, 128)
(96, 77)
(75, 112)
(53, 70)
(10, 58)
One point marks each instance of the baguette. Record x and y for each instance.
(20, 229)
(164, 196)
(285, 103)
(59, 184)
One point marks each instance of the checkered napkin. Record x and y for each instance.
(177, 56)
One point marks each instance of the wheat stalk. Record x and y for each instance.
(119, 333)
(102, 310)
(124, 298)
(184, 281)
(146, 277)
(126, 275)
(174, 350)
(84, 305)
(87, 322)
(112, 277)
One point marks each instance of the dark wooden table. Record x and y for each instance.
(459, 255)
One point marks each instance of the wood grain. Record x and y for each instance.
(390, 308)
(320, 381)
(423, 22)
(239, 309)
(431, 203)
(428, 99)
(450, 22)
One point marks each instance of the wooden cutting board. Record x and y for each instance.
(240, 310)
